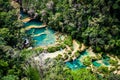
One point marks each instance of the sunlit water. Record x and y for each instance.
(41, 36)
(77, 64)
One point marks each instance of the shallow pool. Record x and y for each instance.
(33, 22)
(96, 64)
(105, 60)
(76, 64)
(41, 36)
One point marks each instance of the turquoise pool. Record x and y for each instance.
(76, 64)
(96, 64)
(105, 60)
(33, 22)
(41, 36)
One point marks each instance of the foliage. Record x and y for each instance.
(10, 64)
(113, 62)
(10, 25)
(56, 48)
(51, 49)
(65, 56)
(33, 73)
(77, 53)
(95, 23)
(114, 77)
(56, 70)
(103, 70)
(68, 41)
(27, 53)
(80, 75)
(10, 77)
(38, 50)
(87, 61)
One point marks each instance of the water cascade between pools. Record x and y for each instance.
(42, 36)
(45, 36)
(76, 64)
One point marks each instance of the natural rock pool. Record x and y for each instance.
(42, 36)
(76, 64)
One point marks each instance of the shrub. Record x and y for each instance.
(62, 45)
(59, 57)
(51, 49)
(27, 53)
(68, 41)
(33, 73)
(10, 77)
(39, 50)
(56, 48)
(87, 61)
(113, 77)
(65, 56)
(113, 62)
(77, 54)
(97, 49)
(82, 74)
(103, 70)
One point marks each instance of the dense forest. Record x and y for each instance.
(95, 23)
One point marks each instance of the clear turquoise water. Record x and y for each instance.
(33, 22)
(77, 64)
(105, 60)
(96, 64)
(37, 31)
(39, 40)
(84, 53)
(45, 36)
(31, 31)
